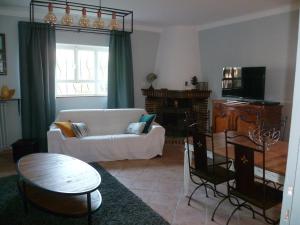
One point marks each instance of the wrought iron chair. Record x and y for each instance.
(246, 187)
(209, 172)
(191, 122)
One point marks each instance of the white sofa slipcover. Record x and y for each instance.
(106, 140)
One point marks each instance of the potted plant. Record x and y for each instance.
(194, 81)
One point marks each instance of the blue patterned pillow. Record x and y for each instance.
(135, 128)
(80, 129)
(148, 118)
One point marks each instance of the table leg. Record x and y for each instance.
(89, 208)
(24, 197)
(186, 174)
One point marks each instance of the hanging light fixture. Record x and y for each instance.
(84, 20)
(99, 22)
(50, 17)
(114, 25)
(67, 19)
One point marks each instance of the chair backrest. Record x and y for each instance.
(246, 152)
(198, 138)
(198, 141)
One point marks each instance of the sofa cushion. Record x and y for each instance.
(148, 118)
(102, 121)
(80, 129)
(135, 128)
(66, 128)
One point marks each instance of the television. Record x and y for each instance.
(244, 82)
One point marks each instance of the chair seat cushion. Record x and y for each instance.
(219, 160)
(214, 174)
(255, 196)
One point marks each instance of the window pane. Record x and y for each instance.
(65, 89)
(102, 57)
(81, 70)
(65, 66)
(86, 65)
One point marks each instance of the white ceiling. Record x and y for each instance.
(161, 13)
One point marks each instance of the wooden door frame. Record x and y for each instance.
(291, 196)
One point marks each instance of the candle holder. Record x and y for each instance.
(262, 136)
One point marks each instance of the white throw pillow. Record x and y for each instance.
(135, 128)
(80, 129)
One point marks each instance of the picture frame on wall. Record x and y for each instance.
(3, 68)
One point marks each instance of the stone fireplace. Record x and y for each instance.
(170, 107)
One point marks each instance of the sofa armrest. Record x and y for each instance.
(55, 134)
(157, 130)
(156, 138)
(55, 139)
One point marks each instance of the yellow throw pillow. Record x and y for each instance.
(66, 128)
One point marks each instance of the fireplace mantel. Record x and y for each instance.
(165, 93)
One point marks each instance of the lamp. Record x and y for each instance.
(50, 17)
(68, 22)
(114, 25)
(150, 78)
(84, 20)
(67, 18)
(99, 22)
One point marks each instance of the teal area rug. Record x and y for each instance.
(120, 206)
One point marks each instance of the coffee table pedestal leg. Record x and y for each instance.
(23, 194)
(89, 208)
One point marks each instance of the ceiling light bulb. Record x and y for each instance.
(114, 25)
(99, 22)
(67, 19)
(50, 17)
(84, 20)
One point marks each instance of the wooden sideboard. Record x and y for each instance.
(228, 115)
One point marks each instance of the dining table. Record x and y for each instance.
(275, 161)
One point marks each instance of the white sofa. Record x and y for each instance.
(106, 140)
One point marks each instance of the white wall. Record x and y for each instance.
(144, 47)
(178, 57)
(144, 50)
(269, 41)
(9, 26)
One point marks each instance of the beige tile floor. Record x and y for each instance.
(159, 183)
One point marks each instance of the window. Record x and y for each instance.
(81, 70)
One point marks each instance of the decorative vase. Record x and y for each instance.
(6, 93)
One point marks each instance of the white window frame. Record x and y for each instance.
(97, 79)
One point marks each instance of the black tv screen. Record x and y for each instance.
(244, 82)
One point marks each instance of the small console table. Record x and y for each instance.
(3, 125)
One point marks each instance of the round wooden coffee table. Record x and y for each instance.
(59, 184)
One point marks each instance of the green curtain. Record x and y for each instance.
(120, 71)
(37, 44)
